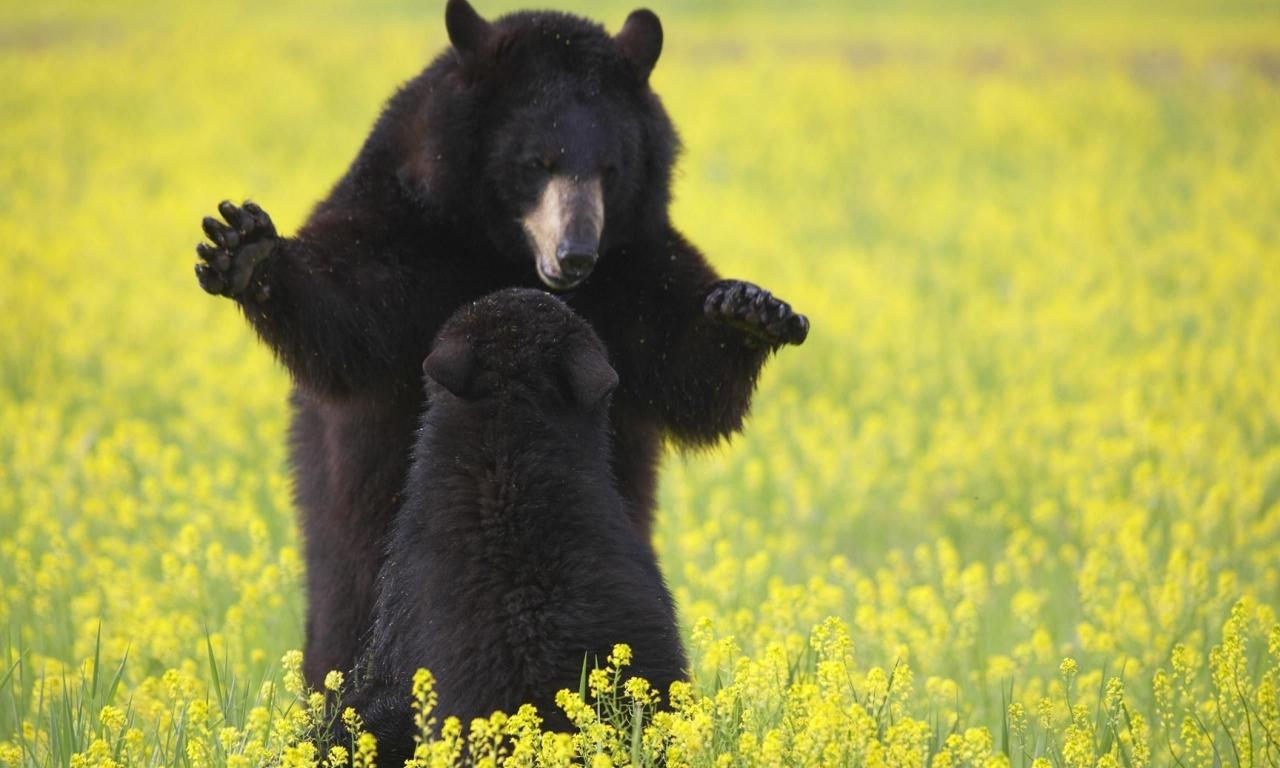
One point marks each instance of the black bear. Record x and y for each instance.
(514, 557)
(533, 153)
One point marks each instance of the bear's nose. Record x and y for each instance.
(576, 259)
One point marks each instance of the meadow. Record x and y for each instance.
(1015, 502)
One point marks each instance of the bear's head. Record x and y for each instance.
(522, 349)
(543, 130)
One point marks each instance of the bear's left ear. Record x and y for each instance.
(451, 364)
(640, 41)
(468, 31)
(589, 374)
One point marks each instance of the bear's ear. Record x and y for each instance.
(640, 41)
(589, 374)
(468, 31)
(451, 364)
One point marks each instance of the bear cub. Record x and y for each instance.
(514, 556)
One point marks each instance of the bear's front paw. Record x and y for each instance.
(240, 247)
(752, 309)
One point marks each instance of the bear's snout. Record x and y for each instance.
(564, 230)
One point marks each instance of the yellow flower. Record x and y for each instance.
(333, 680)
(598, 682)
(112, 718)
(291, 665)
(366, 751)
(351, 719)
(10, 754)
(1067, 669)
(621, 656)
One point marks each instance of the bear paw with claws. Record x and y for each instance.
(750, 308)
(241, 247)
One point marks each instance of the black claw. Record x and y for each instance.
(230, 213)
(215, 258)
(731, 297)
(711, 305)
(258, 220)
(210, 280)
(216, 230)
(799, 329)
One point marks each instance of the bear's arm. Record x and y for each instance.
(682, 355)
(343, 304)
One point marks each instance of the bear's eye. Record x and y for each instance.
(610, 172)
(540, 163)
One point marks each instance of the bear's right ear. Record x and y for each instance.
(589, 375)
(451, 364)
(468, 31)
(640, 41)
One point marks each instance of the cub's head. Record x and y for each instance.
(544, 126)
(524, 349)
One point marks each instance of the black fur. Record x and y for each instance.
(425, 221)
(514, 557)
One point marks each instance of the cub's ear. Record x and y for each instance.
(451, 364)
(589, 374)
(640, 41)
(468, 31)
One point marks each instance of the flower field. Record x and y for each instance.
(1016, 501)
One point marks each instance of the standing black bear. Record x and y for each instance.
(533, 152)
(513, 557)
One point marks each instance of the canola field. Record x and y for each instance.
(1016, 502)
